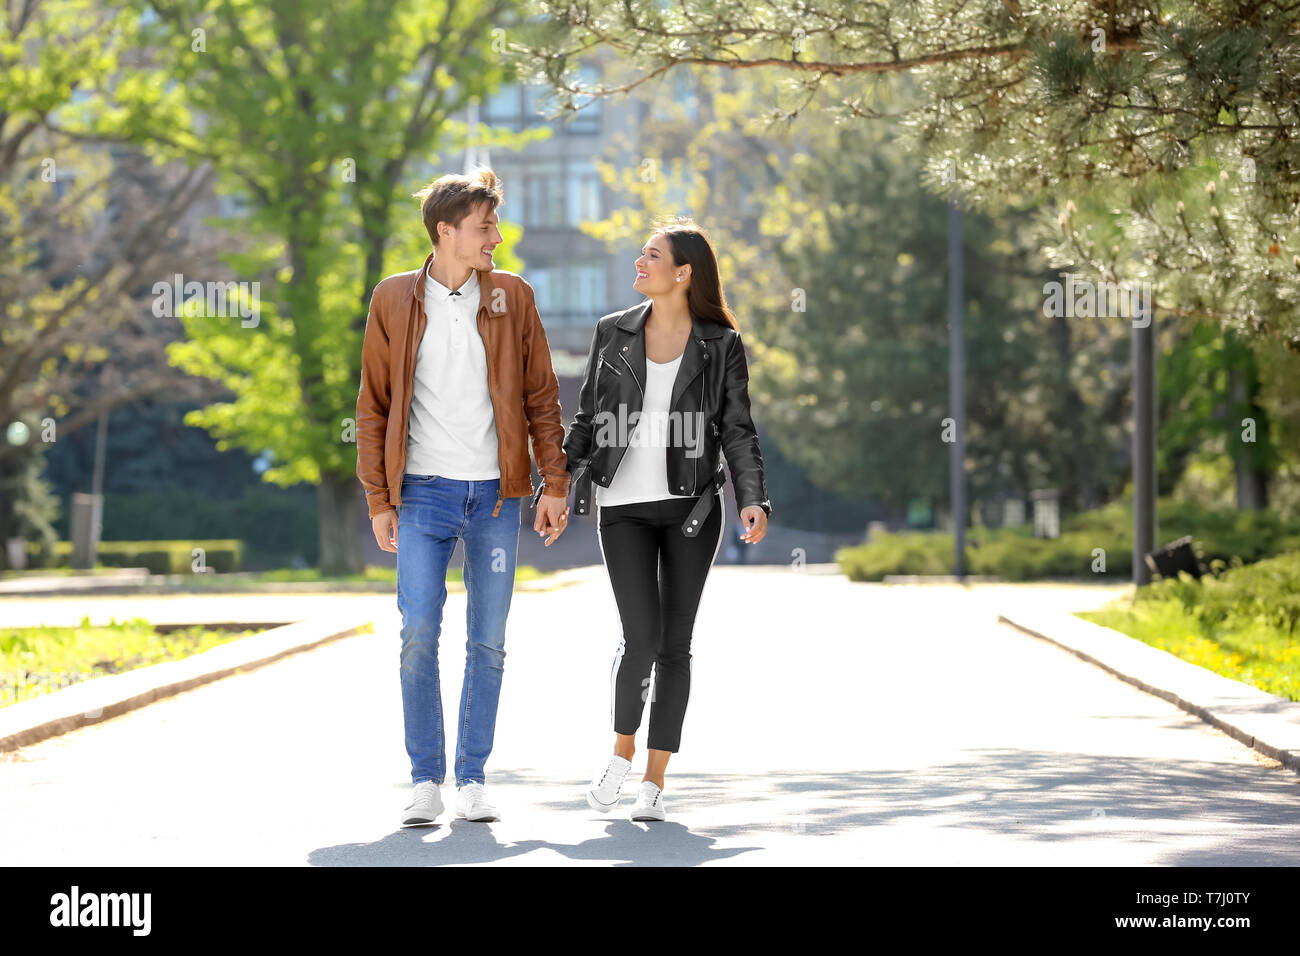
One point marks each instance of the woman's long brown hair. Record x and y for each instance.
(690, 246)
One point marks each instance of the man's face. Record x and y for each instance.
(474, 239)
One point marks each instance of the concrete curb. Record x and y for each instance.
(90, 701)
(117, 585)
(1263, 721)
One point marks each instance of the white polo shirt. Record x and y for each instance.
(451, 431)
(642, 473)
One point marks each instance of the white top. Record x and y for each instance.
(643, 472)
(451, 431)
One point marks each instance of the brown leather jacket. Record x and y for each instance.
(521, 382)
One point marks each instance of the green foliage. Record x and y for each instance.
(1218, 533)
(274, 525)
(40, 660)
(160, 557)
(316, 136)
(1131, 106)
(1239, 622)
(854, 385)
(1236, 595)
(906, 552)
(1220, 537)
(27, 508)
(834, 255)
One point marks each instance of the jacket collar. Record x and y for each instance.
(415, 286)
(694, 358)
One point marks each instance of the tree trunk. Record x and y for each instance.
(1252, 480)
(339, 525)
(1079, 484)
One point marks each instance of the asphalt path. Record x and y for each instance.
(829, 723)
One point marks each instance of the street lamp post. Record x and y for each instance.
(1144, 442)
(957, 392)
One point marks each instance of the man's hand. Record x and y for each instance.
(552, 517)
(384, 525)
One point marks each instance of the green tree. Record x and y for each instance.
(1128, 103)
(315, 113)
(1212, 394)
(82, 227)
(834, 257)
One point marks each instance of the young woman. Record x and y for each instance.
(664, 394)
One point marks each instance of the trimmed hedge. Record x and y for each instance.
(277, 525)
(1219, 535)
(1241, 621)
(160, 557)
(1235, 595)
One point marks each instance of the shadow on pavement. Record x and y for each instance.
(1205, 814)
(624, 844)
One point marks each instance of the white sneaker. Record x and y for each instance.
(649, 802)
(606, 790)
(426, 804)
(473, 804)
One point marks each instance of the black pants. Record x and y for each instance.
(658, 575)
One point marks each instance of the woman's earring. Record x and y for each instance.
(679, 278)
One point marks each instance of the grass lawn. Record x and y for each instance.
(1241, 624)
(373, 573)
(40, 660)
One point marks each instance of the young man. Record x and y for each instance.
(455, 375)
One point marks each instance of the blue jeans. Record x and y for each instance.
(434, 512)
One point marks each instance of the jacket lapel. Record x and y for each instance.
(699, 350)
(632, 345)
(485, 288)
(416, 291)
(695, 357)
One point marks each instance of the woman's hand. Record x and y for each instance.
(754, 520)
(552, 517)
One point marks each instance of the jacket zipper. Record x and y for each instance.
(639, 389)
(496, 420)
(412, 354)
(695, 462)
(718, 441)
(633, 371)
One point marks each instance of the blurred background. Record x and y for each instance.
(199, 197)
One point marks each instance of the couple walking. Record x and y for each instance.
(456, 376)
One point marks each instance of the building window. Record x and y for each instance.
(588, 290)
(502, 107)
(569, 293)
(534, 99)
(586, 121)
(583, 192)
(543, 195)
(678, 89)
(543, 296)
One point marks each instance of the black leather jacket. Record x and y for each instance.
(710, 395)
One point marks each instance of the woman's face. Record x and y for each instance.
(655, 272)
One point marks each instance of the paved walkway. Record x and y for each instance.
(830, 723)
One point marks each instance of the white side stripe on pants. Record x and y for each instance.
(622, 643)
(722, 527)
